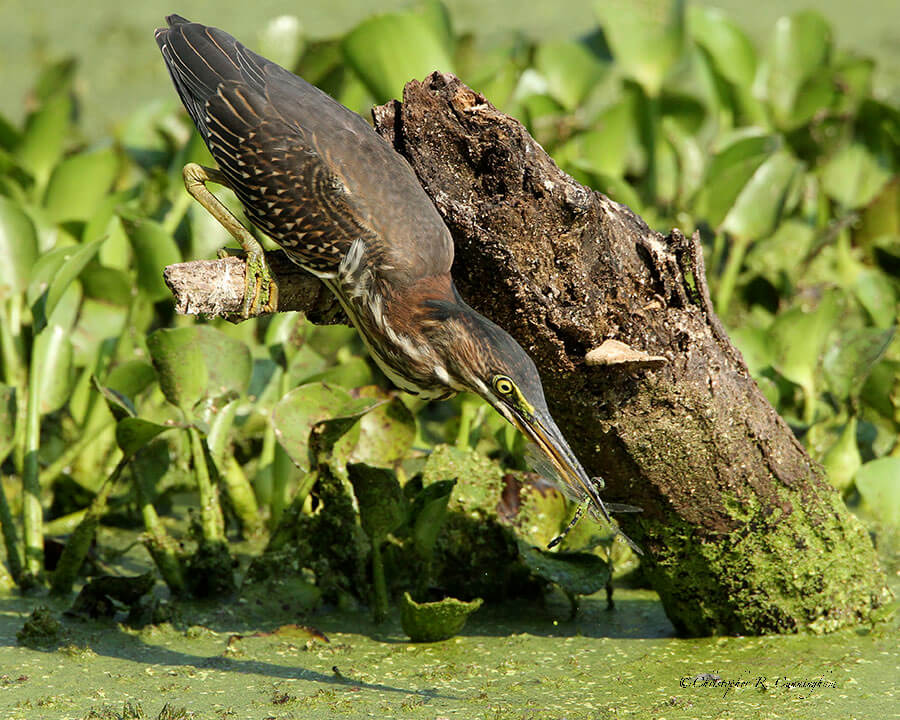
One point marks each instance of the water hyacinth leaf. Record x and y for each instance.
(119, 404)
(849, 361)
(7, 419)
(353, 373)
(154, 248)
(878, 295)
(300, 410)
(45, 134)
(133, 433)
(605, 149)
(843, 459)
(99, 326)
(131, 377)
(854, 176)
(815, 95)
(18, 247)
(53, 362)
(284, 337)
(799, 338)
(878, 482)
(51, 277)
(388, 50)
(881, 391)
(800, 49)
(382, 506)
(437, 15)
(728, 46)
(644, 45)
(78, 185)
(571, 70)
(574, 573)
(219, 427)
(757, 208)
(108, 285)
(731, 168)
(199, 363)
(55, 78)
(428, 512)
(386, 434)
(283, 40)
(10, 136)
(755, 345)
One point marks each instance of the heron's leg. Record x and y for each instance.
(260, 293)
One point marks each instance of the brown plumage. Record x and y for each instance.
(318, 180)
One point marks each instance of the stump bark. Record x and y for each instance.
(742, 532)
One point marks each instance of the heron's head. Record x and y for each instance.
(484, 359)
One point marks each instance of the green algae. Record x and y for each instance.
(519, 661)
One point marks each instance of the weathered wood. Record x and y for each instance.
(216, 288)
(743, 533)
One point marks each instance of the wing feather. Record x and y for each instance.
(310, 173)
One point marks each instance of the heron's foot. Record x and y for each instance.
(260, 291)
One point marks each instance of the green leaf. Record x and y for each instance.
(154, 248)
(353, 373)
(386, 435)
(728, 45)
(605, 148)
(219, 428)
(131, 377)
(849, 361)
(878, 482)
(843, 459)
(732, 167)
(52, 361)
(7, 420)
(755, 345)
(428, 513)
(44, 137)
(388, 50)
(199, 363)
(878, 295)
(283, 40)
(757, 209)
(881, 391)
(854, 176)
(645, 47)
(575, 573)
(800, 49)
(55, 78)
(305, 407)
(571, 70)
(799, 337)
(382, 506)
(51, 277)
(119, 404)
(18, 247)
(132, 434)
(79, 184)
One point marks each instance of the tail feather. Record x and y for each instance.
(202, 59)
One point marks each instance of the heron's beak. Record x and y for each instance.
(542, 430)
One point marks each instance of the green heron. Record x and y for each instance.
(346, 207)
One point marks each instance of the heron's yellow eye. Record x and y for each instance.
(503, 385)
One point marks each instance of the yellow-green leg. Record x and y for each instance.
(260, 294)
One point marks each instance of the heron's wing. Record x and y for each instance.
(310, 173)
